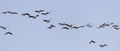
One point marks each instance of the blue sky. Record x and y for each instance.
(33, 35)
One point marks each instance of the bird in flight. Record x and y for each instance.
(4, 28)
(103, 45)
(92, 42)
(6, 12)
(45, 13)
(8, 33)
(62, 24)
(24, 14)
(51, 26)
(76, 27)
(65, 28)
(14, 13)
(39, 11)
(47, 21)
(34, 17)
(82, 26)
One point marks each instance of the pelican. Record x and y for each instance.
(26, 14)
(3, 27)
(65, 28)
(75, 27)
(70, 26)
(14, 13)
(62, 24)
(103, 45)
(51, 26)
(82, 26)
(8, 33)
(38, 11)
(34, 17)
(47, 21)
(92, 42)
(45, 13)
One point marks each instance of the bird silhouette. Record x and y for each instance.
(103, 45)
(45, 13)
(101, 26)
(51, 26)
(14, 13)
(4, 28)
(39, 11)
(47, 21)
(24, 14)
(65, 28)
(82, 26)
(34, 17)
(69, 25)
(92, 42)
(115, 25)
(6, 12)
(76, 27)
(8, 33)
(62, 24)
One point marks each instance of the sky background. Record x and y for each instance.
(33, 35)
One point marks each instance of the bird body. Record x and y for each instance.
(9, 12)
(3, 27)
(51, 26)
(47, 20)
(103, 45)
(92, 42)
(26, 14)
(8, 33)
(45, 13)
(75, 27)
(65, 28)
(34, 17)
(38, 11)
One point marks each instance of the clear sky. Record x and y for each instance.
(33, 35)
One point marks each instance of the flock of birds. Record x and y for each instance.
(8, 32)
(63, 25)
(101, 45)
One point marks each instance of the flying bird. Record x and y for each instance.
(92, 42)
(76, 27)
(82, 26)
(34, 17)
(103, 45)
(101, 26)
(38, 11)
(62, 24)
(51, 26)
(47, 21)
(45, 13)
(4, 28)
(65, 28)
(6, 12)
(69, 25)
(8, 33)
(24, 14)
(14, 13)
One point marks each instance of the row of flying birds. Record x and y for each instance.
(64, 25)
